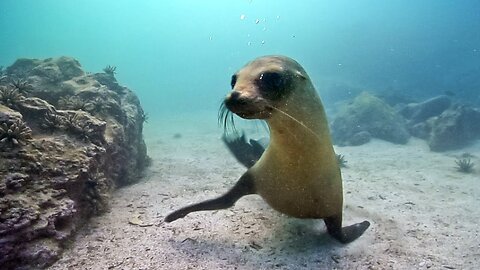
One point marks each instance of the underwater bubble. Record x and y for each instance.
(263, 42)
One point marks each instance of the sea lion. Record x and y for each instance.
(298, 173)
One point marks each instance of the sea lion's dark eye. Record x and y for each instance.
(270, 81)
(234, 80)
(274, 85)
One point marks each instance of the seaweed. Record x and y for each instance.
(10, 97)
(72, 122)
(144, 117)
(75, 126)
(21, 85)
(52, 121)
(110, 70)
(464, 165)
(15, 133)
(99, 106)
(75, 103)
(342, 162)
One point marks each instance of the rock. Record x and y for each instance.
(454, 128)
(33, 107)
(421, 130)
(368, 114)
(9, 115)
(420, 112)
(360, 138)
(16, 181)
(86, 140)
(51, 69)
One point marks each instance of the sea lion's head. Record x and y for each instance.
(261, 85)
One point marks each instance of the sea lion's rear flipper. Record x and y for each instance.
(346, 234)
(244, 186)
(246, 153)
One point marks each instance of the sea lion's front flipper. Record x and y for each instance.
(246, 153)
(244, 186)
(346, 234)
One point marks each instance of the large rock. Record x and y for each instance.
(420, 112)
(454, 128)
(368, 116)
(84, 139)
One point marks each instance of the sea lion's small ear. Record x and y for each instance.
(300, 75)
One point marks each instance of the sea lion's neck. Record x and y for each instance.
(300, 123)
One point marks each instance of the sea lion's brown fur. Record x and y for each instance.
(298, 173)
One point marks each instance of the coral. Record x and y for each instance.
(10, 97)
(15, 133)
(21, 85)
(342, 162)
(464, 165)
(75, 103)
(110, 70)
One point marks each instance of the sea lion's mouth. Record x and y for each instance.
(248, 108)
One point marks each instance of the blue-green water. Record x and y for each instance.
(178, 55)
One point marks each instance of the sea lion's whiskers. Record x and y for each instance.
(295, 120)
(225, 119)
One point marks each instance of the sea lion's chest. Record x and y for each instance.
(298, 185)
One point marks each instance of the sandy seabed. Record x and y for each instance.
(424, 214)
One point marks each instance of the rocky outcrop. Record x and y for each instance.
(455, 128)
(443, 125)
(420, 112)
(366, 117)
(67, 139)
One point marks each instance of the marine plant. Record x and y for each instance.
(21, 85)
(15, 133)
(52, 121)
(100, 106)
(74, 125)
(144, 117)
(72, 122)
(75, 103)
(10, 97)
(342, 162)
(464, 165)
(110, 70)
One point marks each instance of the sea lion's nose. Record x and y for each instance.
(234, 98)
